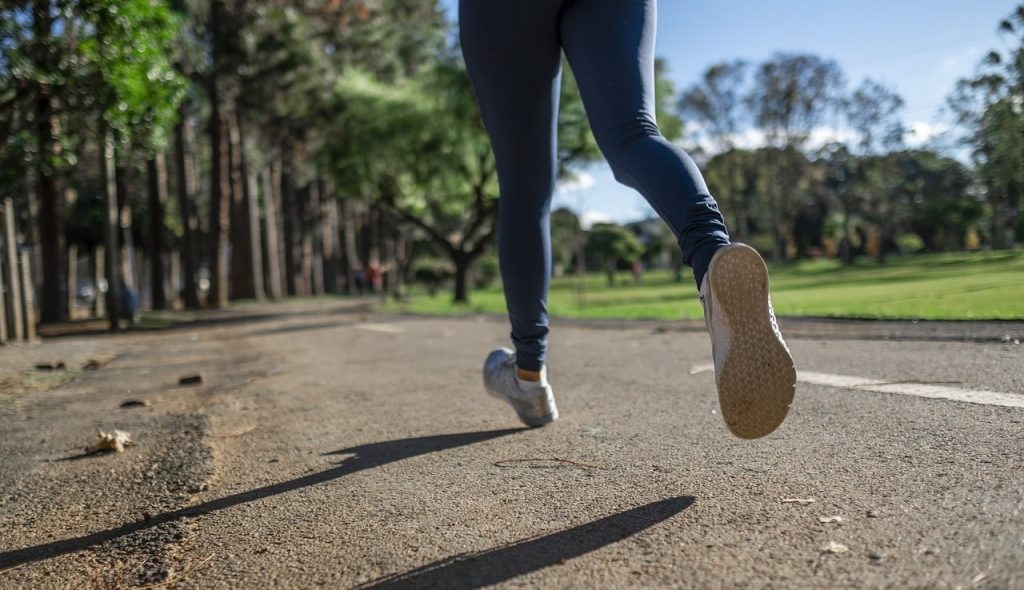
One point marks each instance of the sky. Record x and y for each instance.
(919, 49)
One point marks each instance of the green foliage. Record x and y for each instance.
(127, 56)
(910, 243)
(608, 244)
(669, 123)
(989, 108)
(566, 236)
(486, 271)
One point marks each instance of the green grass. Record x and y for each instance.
(984, 285)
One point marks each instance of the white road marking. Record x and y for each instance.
(384, 328)
(972, 396)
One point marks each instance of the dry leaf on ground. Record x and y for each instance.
(114, 441)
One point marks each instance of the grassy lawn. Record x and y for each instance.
(984, 285)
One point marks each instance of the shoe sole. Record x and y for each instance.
(758, 378)
(531, 422)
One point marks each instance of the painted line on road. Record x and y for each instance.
(971, 396)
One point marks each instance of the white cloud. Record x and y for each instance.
(962, 60)
(589, 218)
(581, 182)
(920, 132)
(752, 138)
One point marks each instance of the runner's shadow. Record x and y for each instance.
(503, 563)
(364, 457)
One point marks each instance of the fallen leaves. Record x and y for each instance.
(835, 548)
(114, 441)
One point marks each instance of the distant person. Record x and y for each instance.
(513, 51)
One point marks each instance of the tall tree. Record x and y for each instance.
(989, 109)
(716, 105)
(872, 111)
(791, 95)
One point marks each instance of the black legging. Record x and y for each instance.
(513, 51)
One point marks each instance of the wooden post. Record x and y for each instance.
(27, 298)
(99, 307)
(72, 279)
(3, 310)
(11, 278)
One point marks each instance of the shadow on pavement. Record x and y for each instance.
(475, 570)
(364, 457)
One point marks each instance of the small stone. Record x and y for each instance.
(875, 556)
(834, 548)
(193, 379)
(872, 514)
(135, 403)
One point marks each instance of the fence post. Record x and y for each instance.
(27, 297)
(11, 278)
(72, 279)
(3, 308)
(99, 307)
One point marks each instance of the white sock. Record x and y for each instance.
(526, 385)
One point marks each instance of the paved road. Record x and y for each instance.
(330, 447)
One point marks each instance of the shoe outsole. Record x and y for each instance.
(758, 378)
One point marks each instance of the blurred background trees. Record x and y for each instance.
(186, 153)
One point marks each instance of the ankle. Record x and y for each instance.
(525, 375)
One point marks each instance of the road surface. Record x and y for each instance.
(328, 446)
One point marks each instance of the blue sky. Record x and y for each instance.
(917, 48)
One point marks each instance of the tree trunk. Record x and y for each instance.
(72, 276)
(289, 206)
(463, 264)
(271, 209)
(398, 261)
(351, 252)
(185, 167)
(99, 308)
(47, 131)
(330, 244)
(220, 208)
(11, 279)
(220, 164)
(27, 302)
(124, 217)
(242, 284)
(108, 174)
(251, 217)
(51, 219)
(315, 238)
(156, 169)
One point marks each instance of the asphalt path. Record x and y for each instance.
(331, 447)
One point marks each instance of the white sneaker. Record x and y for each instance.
(535, 404)
(753, 367)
